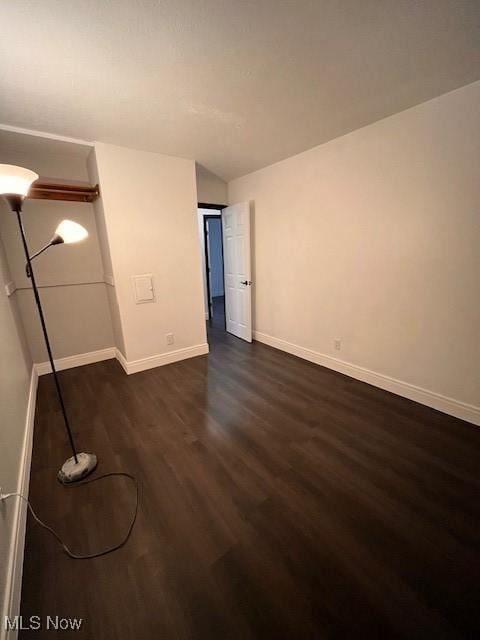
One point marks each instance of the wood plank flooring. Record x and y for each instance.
(278, 500)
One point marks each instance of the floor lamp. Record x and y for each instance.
(15, 183)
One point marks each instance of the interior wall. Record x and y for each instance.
(210, 188)
(106, 256)
(149, 205)
(15, 372)
(373, 239)
(71, 277)
(51, 159)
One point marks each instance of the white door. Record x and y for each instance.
(238, 276)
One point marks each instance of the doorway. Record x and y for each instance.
(224, 233)
(213, 239)
(211, 245)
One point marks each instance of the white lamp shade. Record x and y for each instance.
(71, 231)
(15, 180)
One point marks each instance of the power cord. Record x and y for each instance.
(77, 556)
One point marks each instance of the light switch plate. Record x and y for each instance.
(10, 288)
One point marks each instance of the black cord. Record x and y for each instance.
(76, 556)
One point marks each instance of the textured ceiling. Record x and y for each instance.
(234, 84)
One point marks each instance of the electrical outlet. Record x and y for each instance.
(337, 344)
(170, 338)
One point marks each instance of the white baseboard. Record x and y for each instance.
(77, 360)
(122, 360)
(452, 407)
(129, 366)
(134, 366)
(11, 602)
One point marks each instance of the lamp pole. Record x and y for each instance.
(15, 183)
(18, 213)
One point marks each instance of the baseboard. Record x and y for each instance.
(452, 407)
(121, 359)
(11, 603)
(129, 366)
(77, 360)
(134, 366)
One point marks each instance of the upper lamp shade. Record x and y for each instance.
(70, 231)
(15, 180)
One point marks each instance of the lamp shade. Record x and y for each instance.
(70, 231)
(15, 180)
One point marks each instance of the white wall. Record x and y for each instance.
(51, 159)
(15, 370)
(149, 206)
(106, 256)
(210, 188)
(71, 278)
(373, 238)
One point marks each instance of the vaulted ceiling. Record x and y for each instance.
(234, 84)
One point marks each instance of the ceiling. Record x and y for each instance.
(233, 84)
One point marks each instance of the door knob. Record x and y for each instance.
(247, 282)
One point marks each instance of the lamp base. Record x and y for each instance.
(72, 471)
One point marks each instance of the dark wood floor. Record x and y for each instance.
(217, 321)
(278, 500)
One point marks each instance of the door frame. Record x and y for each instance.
(206, 205)
(213, 216)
